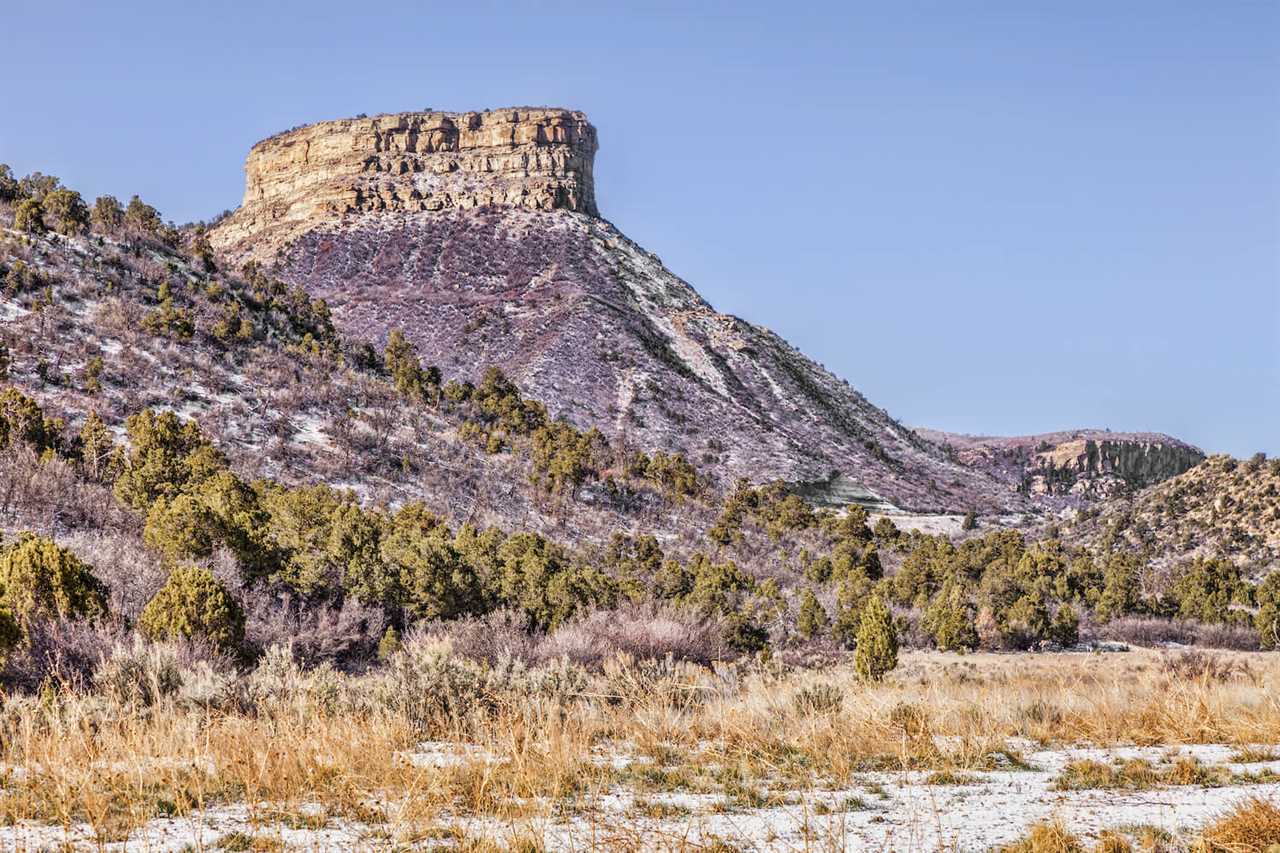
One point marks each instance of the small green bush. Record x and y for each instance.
(192, 603)
(42, 579)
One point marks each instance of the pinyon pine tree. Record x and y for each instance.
(877, 651)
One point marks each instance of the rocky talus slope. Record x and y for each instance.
(1073, 466)
(478, 235)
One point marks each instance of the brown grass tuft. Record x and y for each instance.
(1251, 827)
(1046, 838)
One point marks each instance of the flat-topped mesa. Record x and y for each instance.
(534, 158)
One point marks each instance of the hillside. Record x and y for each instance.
(478, 234)
(1072, 467)
(1221, 507)
(114, 324)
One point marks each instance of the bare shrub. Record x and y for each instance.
(490, 638)
(644, 633)
(1143, 631)
(136, 673)
(1218, 636)
(1201, 666)
(131, 571)
(64, 651)
(345, 635)
(1147, 631)
(49, 496)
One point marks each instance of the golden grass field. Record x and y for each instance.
(640, 756)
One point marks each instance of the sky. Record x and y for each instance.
(990, 217)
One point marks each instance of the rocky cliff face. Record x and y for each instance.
(537, 159)
(1081, 465)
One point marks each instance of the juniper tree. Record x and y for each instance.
(877, 650)
(813, 620)
(68, 209)
(28, 216)
(194, 604)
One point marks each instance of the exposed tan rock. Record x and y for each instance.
(534, 158)
(1089, 464)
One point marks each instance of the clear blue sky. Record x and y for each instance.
(997, 217)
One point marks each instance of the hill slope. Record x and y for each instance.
(1221, 507)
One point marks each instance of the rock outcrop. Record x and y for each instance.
(1080, 464)
(538, 159)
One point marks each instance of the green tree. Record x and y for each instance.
(389, 644)
(852, 595)
(539, 578)
(301, 525)
(1206, 589)
(192, 603)
(10, 189)
(241, 522)
(181, 528)
(877, 649)
(11, 635)
(420, 553)
(42, 579)
(22, 420)
(142, 218)
(107, 216)
(949, 619)
(97, 450)
(1065, 627)
(1121, 593)
(812, 620)
(93, 375)
(563, 457)
(37, 185)
(166, 456)
(717, 587)
(28, 216)
(407, 372)
(68, 210)
(1027, 621)
(1267, 619)
(886, 532)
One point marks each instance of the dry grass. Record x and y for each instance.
(338, 743)
(1251, 827)
(1046, 838)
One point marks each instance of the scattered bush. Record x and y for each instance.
(41, 579)
(193, 604)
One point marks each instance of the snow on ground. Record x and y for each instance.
(882, 812)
